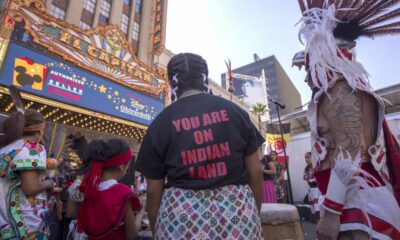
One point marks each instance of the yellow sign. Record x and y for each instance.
(28, 73)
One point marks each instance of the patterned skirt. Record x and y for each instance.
(227, 212)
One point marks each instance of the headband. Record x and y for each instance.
(91, 179)
(35, 127)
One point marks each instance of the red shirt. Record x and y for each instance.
(104, 215)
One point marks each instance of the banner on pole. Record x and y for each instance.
(275, 142)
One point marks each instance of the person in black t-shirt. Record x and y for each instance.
(206, 148)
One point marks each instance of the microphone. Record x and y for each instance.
(281, 105)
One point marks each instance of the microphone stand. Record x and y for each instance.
(289, 185)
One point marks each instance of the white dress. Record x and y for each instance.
(21, 217)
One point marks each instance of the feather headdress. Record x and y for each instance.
(56, 142)
(358, 18)
(17, 99)
(329, 29)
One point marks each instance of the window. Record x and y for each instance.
(105, 10)
(57, 12)
(136, 29)
(138, 5)
(124, 23)
(127, 2)
(90, 5)
(84, 26)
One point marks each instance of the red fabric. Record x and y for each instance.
(345, 52)
(91, 179)
(378, 225)
(393, 160)
(68, 183)
(119, 233)
(90, 182)
(119, 160)
(333, 205)
(103, 215)
(322, 177)
(367, 166)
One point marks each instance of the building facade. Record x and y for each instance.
(142, 22)
(278, 85)
(99, 81)
(217, 90)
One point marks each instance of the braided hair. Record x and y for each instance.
(187, 71)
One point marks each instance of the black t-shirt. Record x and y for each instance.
(199, 142)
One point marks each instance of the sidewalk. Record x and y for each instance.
(308, 229)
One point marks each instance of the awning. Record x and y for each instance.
(74, 116)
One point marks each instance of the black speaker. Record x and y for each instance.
(305, 212)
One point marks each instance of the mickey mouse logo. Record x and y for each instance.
(28, 73)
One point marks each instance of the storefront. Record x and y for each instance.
(90, 82)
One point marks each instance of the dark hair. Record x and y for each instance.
(273, 151)
(188, 69)
(13, 126)
(309, 153)
(265, 159)
(348, 31)
(100, 150)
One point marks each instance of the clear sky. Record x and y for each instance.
(235, 29)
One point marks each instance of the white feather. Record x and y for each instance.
(326, 67)
(350, 173)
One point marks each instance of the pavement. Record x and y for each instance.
(308, 230)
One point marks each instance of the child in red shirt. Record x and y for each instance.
(107, 211)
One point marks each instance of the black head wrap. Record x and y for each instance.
(187, 71)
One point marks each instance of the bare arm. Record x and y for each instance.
(130, 224)
(133, 222)
(255, 177)
(31, 185)
(155, 188)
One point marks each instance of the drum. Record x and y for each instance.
(280, 221)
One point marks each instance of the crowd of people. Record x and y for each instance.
(96, 206)
(92, 204)
(102, 207)
(200, 165)
(184, 193)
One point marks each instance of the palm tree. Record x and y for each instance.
(259, 109)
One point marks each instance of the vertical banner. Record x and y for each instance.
(275, 142)
(250, 90)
